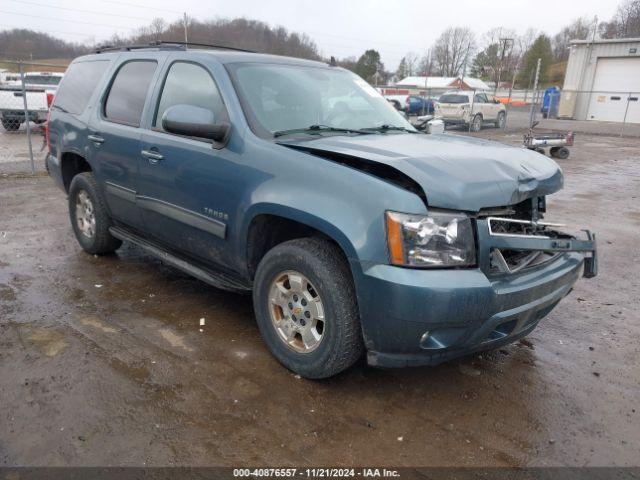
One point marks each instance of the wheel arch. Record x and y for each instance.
(71, 164)
(268, 225)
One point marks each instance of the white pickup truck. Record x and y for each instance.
(40, 88)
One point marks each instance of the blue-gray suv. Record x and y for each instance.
(297, 181)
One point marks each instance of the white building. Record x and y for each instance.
(602, 81)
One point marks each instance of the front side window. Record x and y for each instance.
(279, 98)
(128, 92)
(189, 84)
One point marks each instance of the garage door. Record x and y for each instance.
(616, 90)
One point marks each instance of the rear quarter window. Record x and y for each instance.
(79, 83)
(452, 98)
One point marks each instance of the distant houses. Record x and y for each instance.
(433, 85)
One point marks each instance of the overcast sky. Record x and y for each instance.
(340, 27)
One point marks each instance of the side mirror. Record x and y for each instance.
(495, 100)
(194, 121)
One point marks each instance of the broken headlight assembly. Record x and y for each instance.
(439, 239)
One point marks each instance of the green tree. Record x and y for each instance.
(401, 72)
(541, 48)
(487, 62)
(369, 65)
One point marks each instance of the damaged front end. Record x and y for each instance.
(516, 239)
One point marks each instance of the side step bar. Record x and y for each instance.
(215, 279)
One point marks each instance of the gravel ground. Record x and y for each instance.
(102, 361)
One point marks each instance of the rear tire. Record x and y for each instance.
(561, 153)
(89, 218)
(318, 269)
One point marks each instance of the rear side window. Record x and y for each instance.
(128, 92)
(453, 98)
(189, 84)
(80, 81)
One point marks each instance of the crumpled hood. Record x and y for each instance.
(455, 172)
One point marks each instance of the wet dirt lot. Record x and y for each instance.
(102, 361)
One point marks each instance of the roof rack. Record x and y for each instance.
(166, 45)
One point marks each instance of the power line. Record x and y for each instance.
(67, 21)
(138, 5)
(79, 10)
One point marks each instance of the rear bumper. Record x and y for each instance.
(454, 120)
(52, 164)
(416, 317)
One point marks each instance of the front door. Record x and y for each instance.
(185, 182)
(114, 138)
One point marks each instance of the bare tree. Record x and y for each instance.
(453, 50)
(426, 67)
(411, 63)
(579, 29)
(625, 23)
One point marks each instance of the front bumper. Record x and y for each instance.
(416, 317)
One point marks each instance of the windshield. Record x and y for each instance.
(283, 98)
(42, 80)
(453, 98)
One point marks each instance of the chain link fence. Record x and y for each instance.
(585, 112)
(26, 93)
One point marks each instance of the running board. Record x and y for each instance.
(215, 279)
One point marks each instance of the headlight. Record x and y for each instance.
(439, 239)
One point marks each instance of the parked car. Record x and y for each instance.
(464, 107)
(419, 105)
(40, 88)
(296, 180)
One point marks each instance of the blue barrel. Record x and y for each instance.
(550, 102)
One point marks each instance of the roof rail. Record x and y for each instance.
(165, 45)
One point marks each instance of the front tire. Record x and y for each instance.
(501, 121)
(476, 123)
(305, 305)
(89, 217)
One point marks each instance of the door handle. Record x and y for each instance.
(96, 139)
(153, 157)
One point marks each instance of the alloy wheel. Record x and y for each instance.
(85, 216)
(297, 311)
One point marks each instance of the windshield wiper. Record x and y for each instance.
(319, 128)
(386, 128)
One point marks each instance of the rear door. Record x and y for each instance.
(184, 182)
(114, 136)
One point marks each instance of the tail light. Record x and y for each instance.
(406, 101)
(47, 136)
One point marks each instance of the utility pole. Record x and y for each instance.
(186, 37)
(464, 66)
(533, 99)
